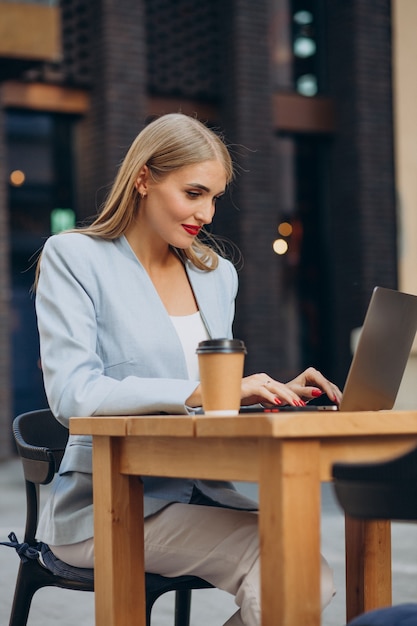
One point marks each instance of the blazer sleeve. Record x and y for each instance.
(74, 374)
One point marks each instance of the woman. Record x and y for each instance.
(121, 307)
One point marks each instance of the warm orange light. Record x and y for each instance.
(280, 246)
(17, 178)
(285, 229)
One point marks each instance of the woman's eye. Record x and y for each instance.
(193, 194)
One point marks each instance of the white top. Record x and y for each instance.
(191, 330)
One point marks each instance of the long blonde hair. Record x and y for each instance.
(168, 143)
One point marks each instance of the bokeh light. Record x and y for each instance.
(280, 246)
(285, 229)
(17, 178)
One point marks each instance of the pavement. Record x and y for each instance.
(209, 607)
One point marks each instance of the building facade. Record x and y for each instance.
(303, 92)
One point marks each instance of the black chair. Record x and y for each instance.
(40, 441)
(384, 490)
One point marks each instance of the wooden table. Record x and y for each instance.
(288, 455)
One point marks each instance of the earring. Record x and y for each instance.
(143, 195)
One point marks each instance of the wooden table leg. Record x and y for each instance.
(289, 529)
(368, 565)
(120, 598)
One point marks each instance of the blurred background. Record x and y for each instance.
(316, 99)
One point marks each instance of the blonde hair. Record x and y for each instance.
(168, 143)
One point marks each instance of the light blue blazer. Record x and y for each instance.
(108, 347)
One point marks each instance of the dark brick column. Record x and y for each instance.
(118, 96)
(5, 363)
(247, 118)
(362, 212)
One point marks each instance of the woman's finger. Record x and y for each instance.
(263, 388)
(311, 383)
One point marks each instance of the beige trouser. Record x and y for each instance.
(217, 544)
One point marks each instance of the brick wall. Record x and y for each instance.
(361, 213)
(118, 96)
(247, 118)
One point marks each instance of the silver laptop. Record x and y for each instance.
(382, 352)
(380, 356)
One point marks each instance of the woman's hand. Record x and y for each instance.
(264, 389)
(312, 384)
(307, 385)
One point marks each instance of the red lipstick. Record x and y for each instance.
(190, 229)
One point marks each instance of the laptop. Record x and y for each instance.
(382, 352)
(380, 358)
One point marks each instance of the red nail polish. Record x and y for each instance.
(316, 393)
(277, 401)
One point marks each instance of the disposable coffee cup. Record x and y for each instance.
(221, 364)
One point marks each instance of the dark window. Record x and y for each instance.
(39, 170)
(296, 35)
(302, 241)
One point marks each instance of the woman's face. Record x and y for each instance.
(176, 208)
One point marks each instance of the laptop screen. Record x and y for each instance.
(382, 351)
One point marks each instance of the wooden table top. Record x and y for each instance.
(281, 425)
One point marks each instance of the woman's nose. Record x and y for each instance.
(205, 213)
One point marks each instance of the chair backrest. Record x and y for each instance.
(40, 441)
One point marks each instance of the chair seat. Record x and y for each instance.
(155, 583)
(59, 568)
